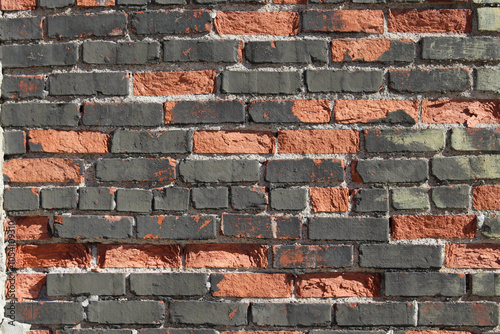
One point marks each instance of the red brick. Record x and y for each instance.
(470, 112)
(260, 332)
(472, 256)
(430, 226)
(252, 285)
(17, 4)
(337, 285)
(174, 83)
(329, 199)
(257, 23)
(359, 49)
(226, 256)
(26, 287)
(29, 228)
(234, 142)
(139, 256)
(52, 255)
(486, 198)
(430, 20)
(54, 141)
(290, 2)
(364, 111)
(318, 141)
(307, 256)
(43, 170)
(39, 331)
(95, 3)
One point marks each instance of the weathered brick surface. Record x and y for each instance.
(75, 26)
(105, 83)
(174, 83)
(367, 21)
(171, 284)
(138, 256)
(19, 87)
(318, 141)
(208, 313)
(470, 112)
(465, 168)
(372, 50)
(127, 312)
(429, 80)
(22, 28)
(376, 229)
(292, 314)
(329, 199)
(305, 171)
(124, 114)
(343, 81)
(385, 314)
(302, 256)
(251, 285)
(390, 171)
(54, 141)
(138, 170)
(443, 20)
(39, 55)
(14, 142)
(246, 82)
(28, 227)
(371, 111)
(121, 53)
(176, 227)
(400, 256)
(229, 255)
(253, 226)
(90, 227)
(451, 314)
(192, 112)
(227, 51)
(43, 170)
(257, 23)
(134, 200)
(338, 285)
(38, 115)
(307, 51)
(290, 111)
(395, 141)
(172, 22)
(232, 142)
(424, 284)
(21, 199)
(459, 48)
(85, 284)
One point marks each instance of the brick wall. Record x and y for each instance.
(286, 166)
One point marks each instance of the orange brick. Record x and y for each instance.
(95, 3)
(329, 199)
(138, 256)
(226, 256)
(471, 256)
(338, 285)
(43, 170)
(233, 142)
(26, 286)
(431, 226)
(365, 111)
(54, 141)
(430, 20)
(257, 23)
(318, 141)
(174, 83)
(486, 198)
(52, 255)
(29, 227)
(17, 4)
(470, 112)
(252, 285)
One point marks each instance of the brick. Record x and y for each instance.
(54, 141)
(487, 19)
(21, 87)
(257, 23)
(94, 3)
(134, 200)
(344, 81)
(305, 171)
(251, 285)
(376, 314)
(176, 227)
(485, 284)
(392, 140)
(352, 228)
(253, 226)
(234, 142)
(430, 20)
(174, 83)
(470, 112)
(390, 171)
(281, 314)
(20, 199)
(126, 312)
(85, 284)
(224, 51)
(460, 48)
(137, 170)
(372, 50)
(34, 170)
(486, 198)
(275, 52)
(172, 22)
(294, 199)
(376, 111)
(96, 199)
(215, 171)
(89, 84)
(55, 4)
(458, 314)
(109, 53)
(59, 198)
(465, 168)
(125, 114)
(367, 21)
(132, 2)
(92, 227)
(226, 256)
(318, 141)
(39, 114)
(22, 28)
(14, 142)
(204, 112)
(208, 313)
(410, 199)
(171, 199)
(93, 331)
(246, 82)
(24, 287)
(487, 80)
(52, 255)
(451, 197)
(475, 140)
(290, 111)
(125, 141)
(177, 331)
(87, 25)
(27, 227)
(314, 256)
(491, 226)
(138, 256)
(433, 226)
(8, 5)
(416, 284)
(169, 284)
(49, 313)
(371, 200)
(249, 198)
(335, 285)
(400, 256)
(429, 80)
(329, 199)
(210, 198)
(472, 256)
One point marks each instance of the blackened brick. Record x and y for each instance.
(125, 114)
(398, 141)
(208, 313)
(424, 284)
(175, 141)
(400, 256)
(210, 198)
(171, 284)
(20, 199)
(39, 114)
(466, 168)
(301, 51)
(38, 55)
(289, 199)
(194, 112)
(486, 284)
(371, 200)
(177, 331)
(21, 87)
(471, 139)
(138, 170)
(90, 227)
(22, 28)
(89, 84)
(280, 314)
(110, 53)
(215, 171)
(176, 227)
(126, 312)
(170, 2)
(491, 226)
(253, 226)
(390, 171)
(410, 199)
(290, 111)
(85, 284)
(376, 229)
(14, 142)
(488, 79)
(59, 198)
(344, 81)
(93, 331)
(54, 4)
(249, 198)
(171, 199)
(240, 82)
(461, 48)
(166, 22)
(134, 200)
(458, 314)
(94, 198)
(452, 197)
(299, 256)
(376, 314)
(79, 26)
(429, 80)
(305, 171)
(49, 313)
(201, 51)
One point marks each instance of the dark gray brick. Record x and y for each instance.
(491, 226)
(304, 171)
(410, 199)
(210, 198)
(281, 314)
(460, 48)
(201, 51)
(289, 199)
(390, 171)
(177, 331)
(135, 170)
(48, 313)
(21, 87)
(239, 82)
(134, 200)
(283, 111)
(258, 226)
(94, 331)
(488, 79)
(125, 114)
(416, 284)
(126, 312)
(249, 198)
(344, 81)
(171, 199)
(111, 53)
(486, 284)
(335, 331)
(59, 198)
(132, 2)
(170, 2)
(429, 80)
(302, 257)
(85, 284)
(14, 142)
(39, 55)
(170, 22)
(458, 314)
(39, 114)
(371, 200)
(471, 139)
(452, 197)
(400, 256)
(171, 284)
(208, 313)
(205, 112)
(376, 314)
(301, 51)
(91, 227)
(96, 199)
(20, 28)
(20, 199)
(176, 227)
(404, 141)
(466, 168)
(216, 171)
(175, 141)
(54, 4)
(79, 26)
(374, 229)
(89, 84)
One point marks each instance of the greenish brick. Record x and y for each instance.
(248, 198)
(391, 171)
(351, 228)
(488, 79)
(91, 227)
(96, 199)
(174, 141)
(193, 312)
(126, 312)
(300, 51)
(123, 53)
(171, 199)
(371, 200)
(400, 256)
(290, 315)
(210, 198)
(491, 226)
(20, 199)
(466, 168)
(169, 284)
(14, 142)
(410, 199)
(404, 141)
(101, 284)
(452, 197)
(201, 51)
(176, 227)
(344, 81)
(294, 199)
(417, 284)
(215, 171)
(376, 314)
(134, 200)
(461, 48)
(59, 198)
(39, 114)
(488, 18)
(486, 284)
(245, 82)
(475, 140)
